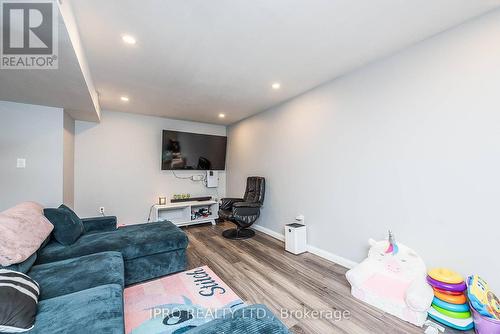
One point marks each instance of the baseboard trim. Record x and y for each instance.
(311, 249)
(331, 257)
(275, 235)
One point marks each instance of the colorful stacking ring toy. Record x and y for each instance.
(447, 292)
(446, 276)
(452, 299)
(446, 286)
(460, 324)
(451, 314)
(450, 307)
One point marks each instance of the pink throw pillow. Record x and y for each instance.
(23, 228)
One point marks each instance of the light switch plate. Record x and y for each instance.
(21, 163)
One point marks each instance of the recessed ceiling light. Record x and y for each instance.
(222, 115)
(128, 39)
(124, 98)
(276, 85)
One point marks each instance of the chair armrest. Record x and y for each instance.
(419, 295)
(247, 205)
(227, 203)
(99, 224)
(360, 273)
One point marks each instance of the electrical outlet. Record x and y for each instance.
(21, 163)
(101, 210)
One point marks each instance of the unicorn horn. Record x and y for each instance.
(393, 247)
(392, 239)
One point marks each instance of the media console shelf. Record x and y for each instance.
(181, 213)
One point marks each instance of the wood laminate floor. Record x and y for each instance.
(260, 271)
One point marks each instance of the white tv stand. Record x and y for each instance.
(180, 213)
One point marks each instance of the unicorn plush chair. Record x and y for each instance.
(392, 278)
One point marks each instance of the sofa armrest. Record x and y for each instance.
(253, 319)
(360, 273)
(99, 224)
(227, 203)
(419, 295)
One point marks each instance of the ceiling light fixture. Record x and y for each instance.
(276, 85)
(124, 98)
(222, 115)
(128, 39)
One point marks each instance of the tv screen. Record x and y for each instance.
(184, 150)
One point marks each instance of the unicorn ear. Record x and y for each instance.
(371, 242)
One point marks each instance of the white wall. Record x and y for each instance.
(410, 143)
(118, 165)
(34, 133)
(68, 160)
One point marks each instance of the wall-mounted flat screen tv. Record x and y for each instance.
(192, 151)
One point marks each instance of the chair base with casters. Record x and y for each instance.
(238, 233)
(243, 212)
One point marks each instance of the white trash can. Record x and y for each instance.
(295, 238)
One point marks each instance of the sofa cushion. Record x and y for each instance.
(80, 273)
(251, 319)
(67, 228)
(23, 228)
(99, 224)
(74, 216)
(147, 267)
(18, 301)
(24, 266)
(95, 310)
(132, 241)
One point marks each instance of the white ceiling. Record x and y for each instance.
(195, 59)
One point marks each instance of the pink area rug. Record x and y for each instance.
(177, 303)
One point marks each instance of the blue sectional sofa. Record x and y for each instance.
(252, 319)
(149, 250)
(81, 285)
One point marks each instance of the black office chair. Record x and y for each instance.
(244, 211)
